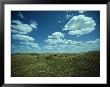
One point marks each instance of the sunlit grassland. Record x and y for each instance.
(56, 64)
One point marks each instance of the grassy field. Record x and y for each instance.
(56, 64)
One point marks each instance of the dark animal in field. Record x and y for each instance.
(55, 55)
(48, 57)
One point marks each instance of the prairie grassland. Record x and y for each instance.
(56, 64)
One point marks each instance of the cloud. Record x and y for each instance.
(20, 15)
(80, 25)
(75, 46)
(53, 42)
(30, 44)
(82, 45)
(22, 37)
(59, 21)
(82, 11)
(24, 47)
(34, 24)
(92, 43)
(17, 32)
(68, 42)
(20, 32)
(16, 22)
(49, 47)
(68, 16)
(56, 37)
(21, 28)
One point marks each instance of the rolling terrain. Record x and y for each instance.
(56, 64)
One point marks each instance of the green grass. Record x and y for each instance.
(56, 65)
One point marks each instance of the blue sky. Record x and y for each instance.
(55, 31)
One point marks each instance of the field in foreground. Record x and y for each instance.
(56, 64)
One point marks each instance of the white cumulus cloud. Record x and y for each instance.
(81, 45)
(49, 47)
(71, 42)
(59, 21)
(22, 28)
(82, 11)
(20, 31)
(30, 44)
(80, 25)
(56, 37)
(16, 22)
(68, 16)
(75, 46)
(22, 37)
(92, 43)
(20, 15)
(34, 24)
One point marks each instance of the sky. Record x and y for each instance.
(55, 31)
